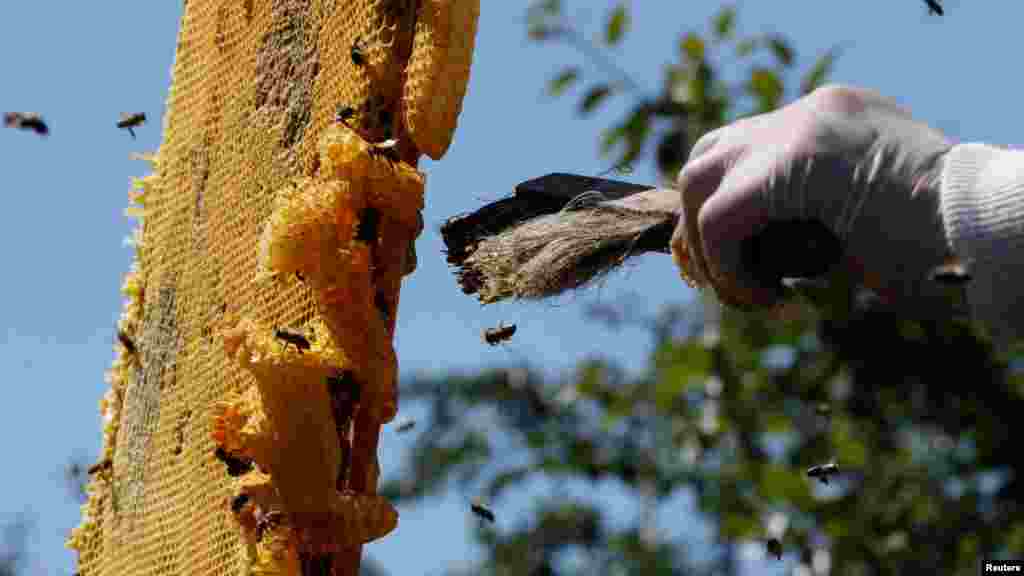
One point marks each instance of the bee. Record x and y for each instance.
(934, 7)
(385, 120)
(292, 337)
(26, 121)
(823, 472)
(239, 502)
(381, 302)
(236, 466)
(774, 547)
(344, 114)
(823, 409)
(316, 565)
(369, 220)
(405, 426)
(129, 121)
(482, 511)
(268, 521)
(100, 466)
(127, 342)
(300, 277)
(359, 48)
(951, 273)
(495, 336)
(358, 53)
(386, 149)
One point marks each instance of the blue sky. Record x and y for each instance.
(81, 64)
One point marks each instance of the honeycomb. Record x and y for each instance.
(254, 365)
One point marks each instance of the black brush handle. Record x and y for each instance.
(791, 249)
(560, 187)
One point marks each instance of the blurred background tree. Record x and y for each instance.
(732, 408)
(13, 545)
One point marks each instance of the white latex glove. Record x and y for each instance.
(847, 157)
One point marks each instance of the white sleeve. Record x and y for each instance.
(982, 199)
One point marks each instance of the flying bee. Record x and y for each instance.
(482, 511)
(823, 472)
(236, 466)
(127, 342)
(951, 273)
(129, 121)
(26, 121)
(405, 426)
(774, 547)
(495, 336)
(292, 337)
(934, 7)
(100, 466)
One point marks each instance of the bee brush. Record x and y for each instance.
(562, 231)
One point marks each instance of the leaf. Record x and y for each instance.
(725, 22)
(699, 87)
(618, 23)
(610, 138)
(782, 50)
(747, 46)
(782, 483)
(679, 367)
(740, 526)
(692, 47)
(673, 150)
(820, 71)
(766, 86)
(590, 379)
(637, 128)
(506, 479)
(1015, 540)
(850, 450)
(676, 80)
(539, 17)
(563, 81)
(594, 97)
(552, 6)
(776, 423)
(545, 31)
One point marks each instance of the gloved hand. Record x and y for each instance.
(847, 157)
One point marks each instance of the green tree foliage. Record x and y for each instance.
(694, 97)
(733, 407)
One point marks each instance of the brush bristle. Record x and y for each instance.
(462, 234)
(551, 254)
